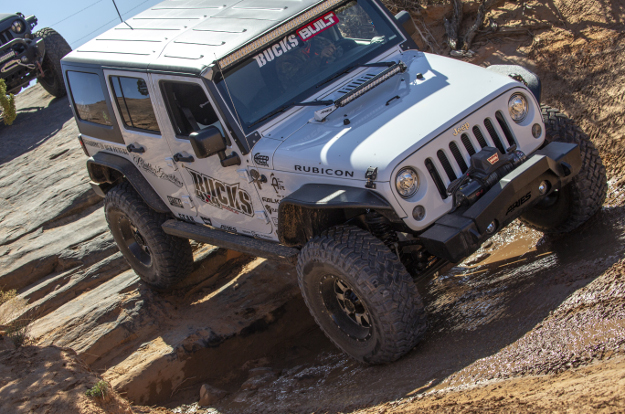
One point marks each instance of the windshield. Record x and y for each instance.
(294, 67)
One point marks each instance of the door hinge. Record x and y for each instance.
(171, 163)
(262, 215)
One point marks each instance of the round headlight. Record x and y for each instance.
(17, 26)
(407, 182)
(518, 107)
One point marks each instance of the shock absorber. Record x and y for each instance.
(381, 228)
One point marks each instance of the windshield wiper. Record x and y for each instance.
(357, 65)
(290, 105)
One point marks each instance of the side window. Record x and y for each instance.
(188, 107)
(88, 97)
(134, 104)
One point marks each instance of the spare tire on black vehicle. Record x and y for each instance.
(56, 49)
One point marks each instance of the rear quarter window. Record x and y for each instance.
(88, 97)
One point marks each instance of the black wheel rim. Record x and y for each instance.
(345, 308)
(134, 241)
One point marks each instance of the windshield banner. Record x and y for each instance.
(315, 27)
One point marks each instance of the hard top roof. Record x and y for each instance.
(186, 35)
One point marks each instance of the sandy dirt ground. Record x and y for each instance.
(529, 323)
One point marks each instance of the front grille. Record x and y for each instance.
(455, 162)
(5, 37)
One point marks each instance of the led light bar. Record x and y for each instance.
(272, 36)
(383, 76)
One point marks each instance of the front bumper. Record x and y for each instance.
(17, 53)
(457, 235)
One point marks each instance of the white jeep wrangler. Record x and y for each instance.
(315, 132)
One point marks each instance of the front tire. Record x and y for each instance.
(56, 49)
(159, 259)
(360, 295)
(570, 207)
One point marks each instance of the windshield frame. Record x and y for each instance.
(372, 8)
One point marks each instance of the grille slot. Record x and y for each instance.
(3, 38)
(446, 165)
(467, 144)
(458, 156)
(494, 135)
(452, 158)
(504, 127)
(479, 136)
(429, 164)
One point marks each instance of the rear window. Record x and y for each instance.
(133, 101)
(88, 97)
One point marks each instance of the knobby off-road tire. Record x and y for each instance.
(56, 48)
(573, 205)
(159, 259)
(350, 263)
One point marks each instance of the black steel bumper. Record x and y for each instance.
(459, 234)
(12, 52)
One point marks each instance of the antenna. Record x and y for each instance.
(230, 96)
(120, 15)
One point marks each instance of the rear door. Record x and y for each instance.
(131, 95)
(223, 196)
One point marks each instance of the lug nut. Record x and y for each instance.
(491, 228)
(543, 188)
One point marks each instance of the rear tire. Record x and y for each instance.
(360, 295)
(570, 207)
(159, 259)
(56, 49)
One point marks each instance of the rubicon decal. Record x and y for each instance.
(315, 27)
(276, 50)
(221, 195)
(324, 171)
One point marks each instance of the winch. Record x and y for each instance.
(487, 167)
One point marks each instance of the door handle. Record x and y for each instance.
(132, 148)
(181, 158)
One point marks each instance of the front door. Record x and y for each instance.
(223, 196)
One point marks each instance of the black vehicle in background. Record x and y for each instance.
(25, 55)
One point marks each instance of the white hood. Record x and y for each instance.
(388, 123)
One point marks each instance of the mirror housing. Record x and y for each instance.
(210, 141)
(405, 20)
(207, 142)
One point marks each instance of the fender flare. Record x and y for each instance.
(530, 79)
(314, 207)
(99, 167)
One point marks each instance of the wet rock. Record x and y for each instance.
(210, 395)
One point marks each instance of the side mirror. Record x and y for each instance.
(405, 20)
(209, 142)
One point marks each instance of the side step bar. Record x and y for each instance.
(244, 244)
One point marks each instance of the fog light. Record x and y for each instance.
(418, 213)
(536, 130)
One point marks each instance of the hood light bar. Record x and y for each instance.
(272, 36)
(383, 76)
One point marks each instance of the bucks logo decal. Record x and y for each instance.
(230, 197)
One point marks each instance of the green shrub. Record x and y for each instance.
(7, 103)
(99, 391)
(17, 332)
(8, 295)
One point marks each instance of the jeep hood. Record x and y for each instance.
(388, 123)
